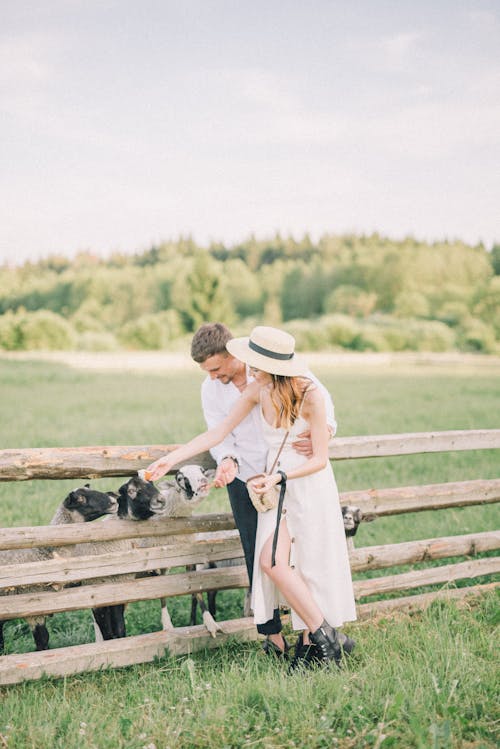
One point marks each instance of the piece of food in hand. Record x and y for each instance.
(144, 475)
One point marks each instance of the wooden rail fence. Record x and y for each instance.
(222, 542)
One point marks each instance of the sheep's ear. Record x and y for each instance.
(113, 495)
(87, 486)
(209, 473)
(358, 515)
(75, 498)
(123, 490)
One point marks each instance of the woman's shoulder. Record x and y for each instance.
(252, 391)
(312, 396)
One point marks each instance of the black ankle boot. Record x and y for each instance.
(271, 649)
(305, 655)
(327, 643)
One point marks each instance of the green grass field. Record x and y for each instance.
(425, 680)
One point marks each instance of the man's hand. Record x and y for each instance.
(225, 473)
(303, 445)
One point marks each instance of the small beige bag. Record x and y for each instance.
(269, 500)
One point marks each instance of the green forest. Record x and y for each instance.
(363, 293)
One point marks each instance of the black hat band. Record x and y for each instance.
(266, 352)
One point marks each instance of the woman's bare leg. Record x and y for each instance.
(288, 581)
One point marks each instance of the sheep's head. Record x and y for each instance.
(191, 485)
(352, 517)
(140, 500)
(86, 504)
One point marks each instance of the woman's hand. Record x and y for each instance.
(158, 469)
(262, 484)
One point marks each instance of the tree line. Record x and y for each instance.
(366, 293)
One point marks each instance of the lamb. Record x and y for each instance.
(80, 506)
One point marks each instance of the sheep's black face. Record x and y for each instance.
(352, 517)
(91, 504)
(139, 500)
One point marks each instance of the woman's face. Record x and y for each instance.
(263, 378)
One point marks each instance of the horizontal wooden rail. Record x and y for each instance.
(21, 464)
(111, 530)
(108, 594)
(65, 571)
(128, 651)
(411, 552)
(373, 502)
(381, 502)
(430, 576)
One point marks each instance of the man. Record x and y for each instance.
(242, 453)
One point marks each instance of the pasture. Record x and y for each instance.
(425, 680)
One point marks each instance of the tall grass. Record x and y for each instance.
(426, 680)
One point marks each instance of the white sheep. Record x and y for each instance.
(190, 486)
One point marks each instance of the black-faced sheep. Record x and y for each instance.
(140, 499)
(80, 506)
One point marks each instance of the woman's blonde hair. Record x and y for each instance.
(287, 396)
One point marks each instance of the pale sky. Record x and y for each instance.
(124, 123)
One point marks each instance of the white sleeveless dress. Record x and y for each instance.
(318, 550)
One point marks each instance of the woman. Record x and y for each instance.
(310, 571)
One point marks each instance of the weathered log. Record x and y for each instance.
(181, 640)
(373, 502)
(109, 594)
(64, 535)
(101, 461)
(420, 601)
(65, 571)
(412, 552)
(118, 653)
(429, 576)
(228, 546)
(380, 502)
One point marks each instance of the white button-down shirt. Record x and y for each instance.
(246, 441)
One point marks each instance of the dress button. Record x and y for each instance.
(292, 540)
(283, 512)
(292, 566)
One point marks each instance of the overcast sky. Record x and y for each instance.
(124, 122)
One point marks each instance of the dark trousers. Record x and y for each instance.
(245, 517)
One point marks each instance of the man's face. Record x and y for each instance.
(221, 367)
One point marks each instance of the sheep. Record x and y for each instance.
(352, 516)
(140, 499)
(80, 506)
(190, 486)
(136, 502)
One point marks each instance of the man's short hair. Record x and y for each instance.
(210, 339)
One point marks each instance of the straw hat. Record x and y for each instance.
(270, 350)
